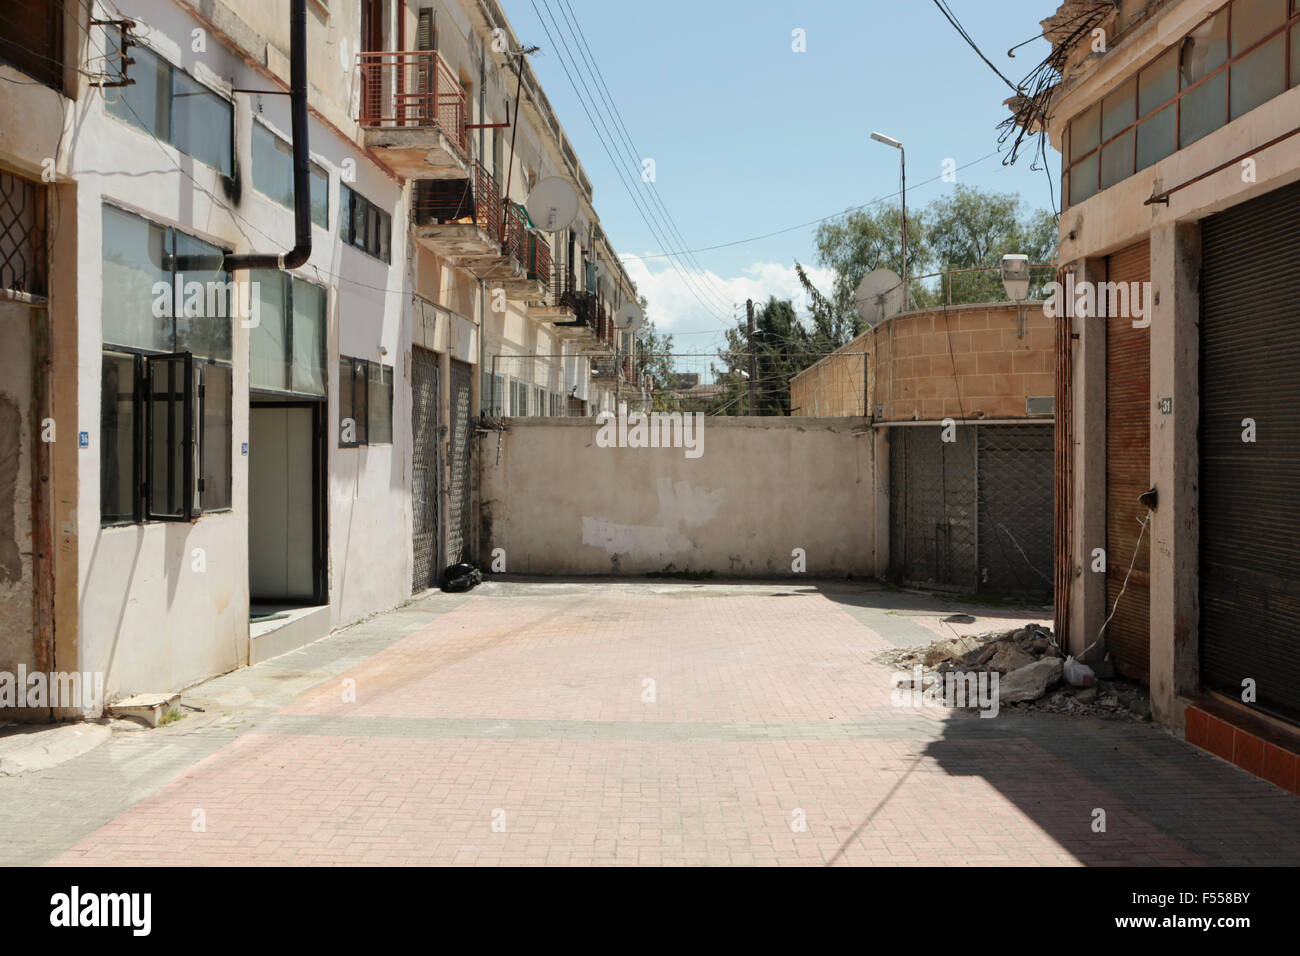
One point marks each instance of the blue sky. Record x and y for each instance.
(749, 137)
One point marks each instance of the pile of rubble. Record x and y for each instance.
(1032, 674)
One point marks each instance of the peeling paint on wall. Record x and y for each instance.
(681, 505)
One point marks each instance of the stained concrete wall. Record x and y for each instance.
(15, 488)
(558, 503)
(962, 362)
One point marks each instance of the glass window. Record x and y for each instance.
(352, 402)
(202, 124)
(118, 440)
(146, 103)
(1295, 56)
(168, 436)
(203, 323)
(1158, 83)
(273, 174)
(217, 429)
(170, 105)
(1083, 180)
(1119, 110)
(138, 299)
(1084, 133)
(1203, 110)
(365, 225)
(380, 431)
(1252, 20)
(308, 337)
(1258, 77)
(1156, 137)
(268, 340)
(1117, 160)
(1204, 50)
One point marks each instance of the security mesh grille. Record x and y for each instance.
(22, 235)
(425, 400)
(932, 507)
(458, 508)
(1015, 510)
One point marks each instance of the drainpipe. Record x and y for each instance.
(301, 251)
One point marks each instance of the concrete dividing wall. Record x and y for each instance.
(559, 503)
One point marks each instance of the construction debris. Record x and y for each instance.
(1030, 665)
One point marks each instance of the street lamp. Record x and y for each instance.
(902, 159)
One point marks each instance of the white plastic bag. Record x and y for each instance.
(1077, 674)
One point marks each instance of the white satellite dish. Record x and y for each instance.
(629, 318)
(553, 204)
(879, 295)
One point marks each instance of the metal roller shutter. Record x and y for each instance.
(462, 427)
(932, 507)
(1015, 510)
(1250, 491)
(426, 400)
(1128, 473)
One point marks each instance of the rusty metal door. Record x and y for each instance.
(1015, 510)
(1128, 473)
(459, 448)
(1250, 451)
(426, 399)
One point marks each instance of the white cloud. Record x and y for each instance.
(674, 307)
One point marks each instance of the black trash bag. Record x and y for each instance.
(461, 577)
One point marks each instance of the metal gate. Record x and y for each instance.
(1015, 509)
(973, 514)
(1250, 478)
(932, 507)
(1128, 473)
(426, 399)
(462, 427)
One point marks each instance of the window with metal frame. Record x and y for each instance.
(1243, 55)
(170, 105)
(365, 403)
(31, 39)
(165, 414)
(273, 174)
(287, 345)
(364, 225)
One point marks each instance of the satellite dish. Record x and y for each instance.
(629, 318)
(600, 269)
(879, 295)
(553, 204)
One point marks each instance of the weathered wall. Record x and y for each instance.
(558, 503)
(964, 362)
(15, 488)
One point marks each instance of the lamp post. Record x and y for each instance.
(902, 160)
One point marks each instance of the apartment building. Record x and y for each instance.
(1178, 123)
(251, 274)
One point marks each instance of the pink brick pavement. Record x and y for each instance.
(593, 780)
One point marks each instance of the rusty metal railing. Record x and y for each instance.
(411, 88)
(539, 260)
(514, 236)
(476, 200)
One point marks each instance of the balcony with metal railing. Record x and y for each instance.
(459, 219)
(412, 113)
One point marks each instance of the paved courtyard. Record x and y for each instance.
(634, 723)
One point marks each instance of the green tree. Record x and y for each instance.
(865, 240)
(971, 229)
(779, 347)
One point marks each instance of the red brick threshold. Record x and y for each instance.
(1257, 744)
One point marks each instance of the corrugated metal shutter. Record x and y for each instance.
(932, 507)
(1250, 491)
(1128, 473)
(1015, 510)
(462, 427)
(425, 403)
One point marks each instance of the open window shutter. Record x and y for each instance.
(426, 32)
(170, 450)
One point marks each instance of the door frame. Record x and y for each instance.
(319, 486)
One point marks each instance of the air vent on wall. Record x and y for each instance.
(1040, 405)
